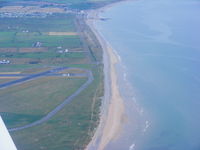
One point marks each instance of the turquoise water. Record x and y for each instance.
(159, 45)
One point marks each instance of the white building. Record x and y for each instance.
(4, 61)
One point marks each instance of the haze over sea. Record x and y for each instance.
(159, 44)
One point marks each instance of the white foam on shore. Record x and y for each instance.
(125, 76)
(132, 146)
(147, 124)
(116, 54)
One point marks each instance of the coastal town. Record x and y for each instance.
(36, 11)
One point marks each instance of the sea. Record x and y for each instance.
(158, 46)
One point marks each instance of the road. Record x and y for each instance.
(27, 77)
(59, 107)
(50, 74)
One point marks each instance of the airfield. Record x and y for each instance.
(51, 81)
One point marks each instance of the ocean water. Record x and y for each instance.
(158, 42)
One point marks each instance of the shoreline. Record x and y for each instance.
(112, 109)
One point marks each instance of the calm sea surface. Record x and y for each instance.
(159, 45)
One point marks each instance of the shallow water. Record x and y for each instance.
(159, 45)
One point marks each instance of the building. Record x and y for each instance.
(37, 44)
(4, 61)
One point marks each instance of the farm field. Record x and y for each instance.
(29, 46)
(73, 4)
(40, 42)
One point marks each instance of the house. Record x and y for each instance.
(60, 51)
(66, 75)
(59, 47)
(4, 61)
(37, 44)
(63, 51)
(66, 50)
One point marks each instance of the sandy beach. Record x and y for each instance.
(161, 76)
(114, 120)
(112, 111)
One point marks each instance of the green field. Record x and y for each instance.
(14, 39)
(71, 128)
(25, 33)
(54, 22)
(24, 103)
(74, 4)
(74, 125)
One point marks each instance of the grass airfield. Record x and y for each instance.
(33, 45)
